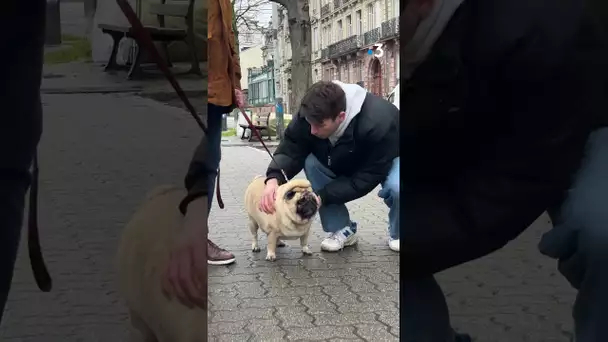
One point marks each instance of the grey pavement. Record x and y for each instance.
(100, 154)
(83, 77)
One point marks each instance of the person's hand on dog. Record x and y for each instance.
(269, 196)
(186, 275)
(318, 200)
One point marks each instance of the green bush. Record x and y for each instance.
(230, 132)
(273, 126)
(76, 49)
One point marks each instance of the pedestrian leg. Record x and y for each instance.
(390, 194)
(335, 218)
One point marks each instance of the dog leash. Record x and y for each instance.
(259, 136)
(144, 37)
(37, 263)
(41, 273)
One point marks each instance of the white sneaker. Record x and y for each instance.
(393, 244)
(339, 240)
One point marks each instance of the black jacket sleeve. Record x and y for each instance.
(291, 152)
(372, 172)
(197, 178)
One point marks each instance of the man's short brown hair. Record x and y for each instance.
(324, 100)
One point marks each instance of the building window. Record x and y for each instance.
(345, 77)
(349, 26)
(340, 30)
(330, 36)
(371, 17)
(315, 39)
(359, 22)
(323, 31)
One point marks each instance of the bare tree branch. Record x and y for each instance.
(247, 12)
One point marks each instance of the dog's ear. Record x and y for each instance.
(289, 195)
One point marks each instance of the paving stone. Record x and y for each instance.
(320, 333)
(374, 332)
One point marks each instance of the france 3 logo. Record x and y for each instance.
(377, 48)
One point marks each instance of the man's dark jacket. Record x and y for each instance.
(495, 124)
(361, 158)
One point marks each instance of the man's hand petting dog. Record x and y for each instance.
(186, 275)
(269, 197)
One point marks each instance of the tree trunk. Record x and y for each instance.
(298, 20)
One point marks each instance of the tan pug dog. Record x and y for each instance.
(295, 206)
(142, 257)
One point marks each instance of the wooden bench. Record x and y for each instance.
(160, 33)
(261, 122)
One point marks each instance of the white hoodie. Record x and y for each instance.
(355, 96)
(427, 33)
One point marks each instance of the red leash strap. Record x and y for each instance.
(259, 136)
(144, 38)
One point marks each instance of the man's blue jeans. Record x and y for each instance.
(214, 129)
(335, 216)
(579, 240)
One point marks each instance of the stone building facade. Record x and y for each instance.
(346, 34)
(283, 56)
(343, 32)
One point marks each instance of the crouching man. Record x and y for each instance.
(347, 142)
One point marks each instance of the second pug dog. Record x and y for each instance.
(295, 206)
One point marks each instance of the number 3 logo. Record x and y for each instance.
(379, 52)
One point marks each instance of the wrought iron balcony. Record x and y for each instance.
(343, 47)
(390, 28)
(372, 36)
(337, 4)
(324, 10)
(325, 54)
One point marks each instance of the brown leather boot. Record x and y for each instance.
(217, 255)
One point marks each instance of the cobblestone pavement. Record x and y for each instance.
(100, 154)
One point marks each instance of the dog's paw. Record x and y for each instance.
(255, 248)
(306, 250)
(271, 257)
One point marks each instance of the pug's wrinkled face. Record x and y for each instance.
(299, 200)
